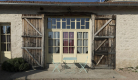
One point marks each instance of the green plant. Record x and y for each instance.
(120, 68)
(16, 64)
(136, 67)
(24, 67)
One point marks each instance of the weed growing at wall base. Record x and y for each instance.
(15, 65)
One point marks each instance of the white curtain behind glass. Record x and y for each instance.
(56, 36)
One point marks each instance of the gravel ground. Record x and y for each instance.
(4, 75)
(128, 74)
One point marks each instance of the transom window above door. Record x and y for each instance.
(68, 23)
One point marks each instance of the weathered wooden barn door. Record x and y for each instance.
(33, 39)
(104, 41)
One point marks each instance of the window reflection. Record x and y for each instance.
(53, 42)
(8, 29)
(3, 29)
(5, 38)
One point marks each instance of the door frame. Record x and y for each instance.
(61, 37)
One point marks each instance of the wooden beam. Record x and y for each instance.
(92, 23)
(42, 44)
(103, 26)
(32, 17)
(100, 59)
(32, 36)
(111, 24)
(32, 57)
(31, 47)
(33, 26)
(104, 36)
(100, 44)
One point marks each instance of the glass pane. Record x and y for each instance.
(8, 47)
(65, 49)
(53, 27)
(63, 19)
(85, 42)
(50, 42)
(72, 25)
(56, 50)
(79, 35)
(63, 25)
(68, 27)
(78, 19)
(79, 50)
(65, 42)
(87, 19)
(82, 27)
(58, 19)
(3, 30)
(53, 20)
(58, 25)
(71, 42)
(50, 34)
(3, 47)
(68, 21)
(78, 25)
(56, 42)
(79, 42)
(85, 50)
(8, 29)
(87, 25)
(3, 38)
(65, 34)
(71, 49)
(85, 35)
(49, 19)
(72, 19)
(49, 25)
(8, 38)
(50, 49)
(56, 34)
(71, 34)
(82, 21)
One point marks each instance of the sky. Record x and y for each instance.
(59, 0)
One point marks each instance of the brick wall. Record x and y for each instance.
(127, 41)
(16, 32)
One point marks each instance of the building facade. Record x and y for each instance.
(105, 32)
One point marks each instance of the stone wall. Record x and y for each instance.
(126, 41)
(16, 31)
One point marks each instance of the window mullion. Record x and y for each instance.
(82, 43)
(68, 42)
(6, 37)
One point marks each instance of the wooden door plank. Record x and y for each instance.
(104, 36)
(103, 26)
(32, 57)
(32, 17)
(100, 44)
(33, 26)
(42, 43)
(92, 37)
(100, 59)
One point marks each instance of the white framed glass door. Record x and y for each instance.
(72, 40)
